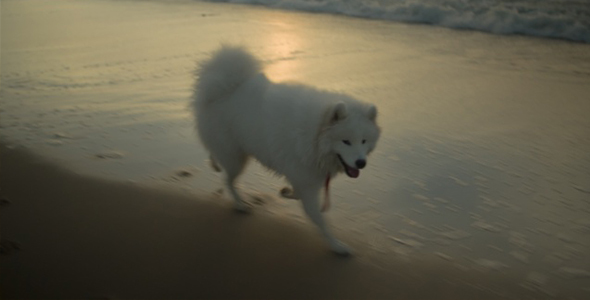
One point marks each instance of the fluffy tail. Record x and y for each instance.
(223, 73)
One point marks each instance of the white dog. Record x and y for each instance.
(305, 134)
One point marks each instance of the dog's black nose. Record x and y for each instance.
(360, 163)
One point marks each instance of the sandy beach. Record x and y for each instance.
(479, 187)
(73, 237)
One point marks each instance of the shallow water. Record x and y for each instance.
(484, 155)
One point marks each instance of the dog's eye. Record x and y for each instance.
(347, 142)
(364, 141)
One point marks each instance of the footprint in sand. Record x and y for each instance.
(110, 154)
(8, 247)
(4, 201)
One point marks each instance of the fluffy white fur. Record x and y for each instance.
(298, 131)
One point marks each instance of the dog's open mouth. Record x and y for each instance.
(350, 171)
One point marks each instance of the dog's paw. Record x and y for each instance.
(288, 193)
(341, 249)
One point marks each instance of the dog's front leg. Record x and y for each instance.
(310, 201)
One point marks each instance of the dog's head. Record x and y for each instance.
(351, 134)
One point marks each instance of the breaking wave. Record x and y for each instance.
(563, 19)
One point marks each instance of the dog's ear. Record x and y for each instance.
(338, 113)
(372, 112)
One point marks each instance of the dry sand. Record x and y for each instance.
(71, 237)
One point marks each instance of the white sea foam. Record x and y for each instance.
(563, 19)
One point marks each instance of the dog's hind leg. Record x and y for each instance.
(233, 166)
(310, 201)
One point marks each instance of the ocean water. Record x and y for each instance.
(562, 19)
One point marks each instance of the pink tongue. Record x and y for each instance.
(354, 173)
